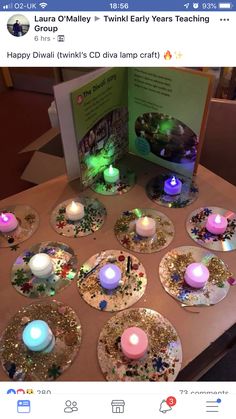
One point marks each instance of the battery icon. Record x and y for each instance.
(225, 5)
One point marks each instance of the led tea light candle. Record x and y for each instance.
(173, 186)
(134, 343)
(41, 265)
(109, 276)
(38, 337)
(74, 211)
(111, 174)
(196, 275)
(146, 227)
(216, 224)
(8, 222)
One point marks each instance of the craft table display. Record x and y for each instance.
(90, 282)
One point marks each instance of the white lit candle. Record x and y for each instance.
(216, 224)
(111, 174)
(41, 265)
(74, 211)
(8, 222)
(38, 337)
(146, 227)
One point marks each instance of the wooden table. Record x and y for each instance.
(205, 332)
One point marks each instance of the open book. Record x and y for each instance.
(156, 113)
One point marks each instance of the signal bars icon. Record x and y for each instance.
(8, 6)
(43, 5)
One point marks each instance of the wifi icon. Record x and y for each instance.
(43, 5)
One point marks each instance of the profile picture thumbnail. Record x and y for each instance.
(18, 25)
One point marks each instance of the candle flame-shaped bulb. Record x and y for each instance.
(145, 221)
(110, 273)
(218, 219)
(111, 169)
(73, 206)
(198, 271)
(134, 340)
(35, 332)
(4, 218)
(173, 181)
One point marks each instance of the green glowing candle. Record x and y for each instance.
(111, 174)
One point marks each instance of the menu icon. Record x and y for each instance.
(212, 406)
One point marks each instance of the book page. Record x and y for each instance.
(167, 114)
(62, 95)
(101, 122)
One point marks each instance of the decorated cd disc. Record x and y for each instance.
(172, 269)
(196, 228)
(64, 270)
(130, 290)
(28, 222)
(125, 231)
(126, 182)
(94, 217)
(188, 194)
(162, 361)
(22, 364)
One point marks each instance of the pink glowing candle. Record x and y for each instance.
(134, 343)
(216, 224)
(8, 222)
(172, 186)
(196, 275)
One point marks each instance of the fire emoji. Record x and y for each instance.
(80, 99)
(167, 55)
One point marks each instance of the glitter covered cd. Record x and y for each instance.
(94, 217)
(172, 269)
(131, 288)
(126, 182)
(28, 222)
(125, 231)
(164, 356)
(155, 191)
(196, 228)
(64, 264)
(22, 364)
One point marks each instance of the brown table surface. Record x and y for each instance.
(197, 327)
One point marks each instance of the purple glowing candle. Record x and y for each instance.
(109, 276)
(8, 222)
(196, 275)
(216, 224)
(172, 186)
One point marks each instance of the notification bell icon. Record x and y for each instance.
(164, 407)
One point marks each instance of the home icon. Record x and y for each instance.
(118, 406)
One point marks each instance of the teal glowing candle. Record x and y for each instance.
(38, 337)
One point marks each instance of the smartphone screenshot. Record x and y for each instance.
(117, 209)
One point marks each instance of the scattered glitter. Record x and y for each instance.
(155, 191)
(132, 286)
(95, 214)
(172, 269)
(28, 222)
(65, 270)
(164, 356)
(196, 228)
(23, 364)
(126, 233)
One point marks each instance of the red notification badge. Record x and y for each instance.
(171, 401)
